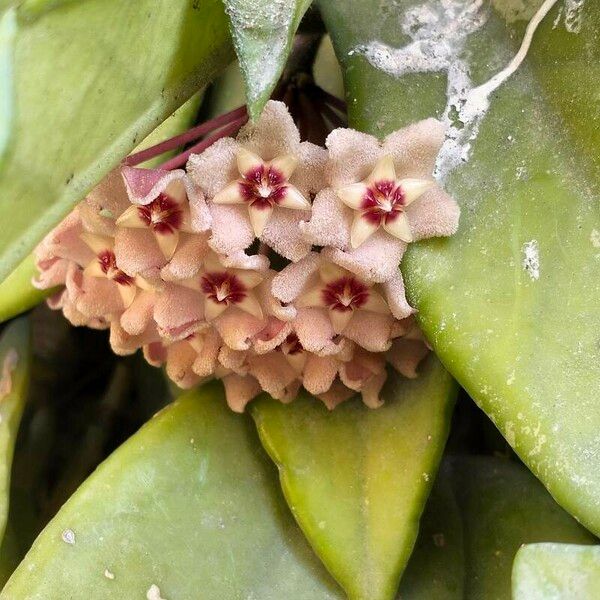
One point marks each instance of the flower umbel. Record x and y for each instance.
(161, 257)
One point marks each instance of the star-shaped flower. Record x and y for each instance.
(166, 214)
(342, 293)
(104, 265)
(224, 287)
(368, 211)
(263, 186)
(259, 184)
(380, 201)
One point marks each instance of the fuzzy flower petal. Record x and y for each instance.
(405, 355)
(240, 390)
(137, 252)
(178, 312)
(319, 373)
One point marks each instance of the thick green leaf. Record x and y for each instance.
(17, 294)
(15, 365)
(556, 572)
(9, 554)
(189, 504)
(502, 507)
(481, 511)
(262, 32)
(91, 79)
(357, 479)
(521, 337)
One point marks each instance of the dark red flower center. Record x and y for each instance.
(223, 287)
(108, 264)
(344, 294)
(162, 215)
(263, 187)
(383, 202)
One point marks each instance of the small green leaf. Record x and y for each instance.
(92, 79)
(262, 32)
(15, 365)
(357, 479)
(481, 511)
(510, 303)
(17, 294)
(189, 504)
(556, 572)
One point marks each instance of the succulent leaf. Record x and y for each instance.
(262, 32)
(189, 505)
(356, 479)
(15, 371)
(558, 571)
(510, 303)
(481, 510)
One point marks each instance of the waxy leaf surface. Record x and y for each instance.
(189, 504)
(556, 572)
(481, 510)
(262, 32)
(357, 479)
(91, 79)
(511, 302)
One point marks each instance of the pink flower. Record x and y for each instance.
(164, 202)
(263, 186)
(259, 185)
(104, 265)
(380, 198)
(224, 288)
(343, 294)
(147, 257)
(330, 301)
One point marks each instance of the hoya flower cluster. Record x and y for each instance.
(270, 263)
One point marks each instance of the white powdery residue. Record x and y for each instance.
(573, 15)
(438, 30)
(531, 259)
(68, 536)
(470, 104)
(595, 238)
(154, 593)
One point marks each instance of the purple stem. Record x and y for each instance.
(184, 138)
(334, 101)
(334, 118)
(181, 159)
